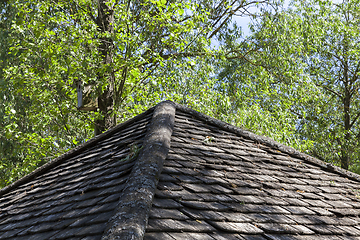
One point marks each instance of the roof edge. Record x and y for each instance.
(269, 142)
(131, 216)
(53, 163)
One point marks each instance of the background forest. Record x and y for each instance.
(294, 78)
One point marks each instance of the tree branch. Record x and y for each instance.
(326, 88)
(355, 119)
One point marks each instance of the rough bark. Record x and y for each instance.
(105, 21)
(131, 215)
(346, 101)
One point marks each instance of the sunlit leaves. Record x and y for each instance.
(313, 48)
(55, 44)
(160, 49)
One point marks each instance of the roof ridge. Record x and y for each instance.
(53, 163)
(268, 142)
(132, 213)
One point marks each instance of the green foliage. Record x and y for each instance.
(134, 153)
(289, 80)
(48, 46)
(312, 48)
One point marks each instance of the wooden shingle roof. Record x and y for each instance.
(174, 173)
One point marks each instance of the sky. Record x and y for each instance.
(245, 21)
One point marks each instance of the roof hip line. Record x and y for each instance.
(131, 216)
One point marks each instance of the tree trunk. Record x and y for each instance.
(105, 22)
(345, 159)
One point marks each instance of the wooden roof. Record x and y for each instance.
(174, 173)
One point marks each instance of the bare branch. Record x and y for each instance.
(355, 119)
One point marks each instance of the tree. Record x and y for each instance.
(119, 43)
(312, 51)
(229, 87)
(117, 47)
(260, 101)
